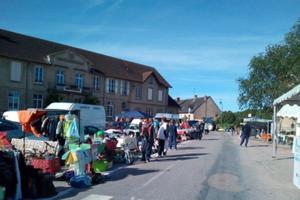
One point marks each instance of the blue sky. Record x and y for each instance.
(200, 46)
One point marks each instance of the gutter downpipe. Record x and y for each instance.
(274, 133)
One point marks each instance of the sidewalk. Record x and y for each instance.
(274, 175)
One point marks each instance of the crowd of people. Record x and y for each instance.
(161, 134)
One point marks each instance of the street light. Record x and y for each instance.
(221, 106)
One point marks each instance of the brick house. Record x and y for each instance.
(198, 108)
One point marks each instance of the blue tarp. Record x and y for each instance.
(133, 114)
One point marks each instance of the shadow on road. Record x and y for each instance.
(259, 145)
(210, 139)
(123, 173)
(187, 155)
(190, 148)
(180, 157)
(74, 192)
(287, 158)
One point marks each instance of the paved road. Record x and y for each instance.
(213, 168)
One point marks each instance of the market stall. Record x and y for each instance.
(288, 106)
(57, 143)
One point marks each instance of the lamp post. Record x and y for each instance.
(221, 106)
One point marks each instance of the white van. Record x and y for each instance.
(90, 115)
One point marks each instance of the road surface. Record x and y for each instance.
(214, 168)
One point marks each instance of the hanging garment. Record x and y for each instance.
(52, 128)
(73, 131)
(18, 194)
(26, 117)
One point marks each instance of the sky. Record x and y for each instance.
(201, 47)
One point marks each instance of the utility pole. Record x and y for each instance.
(221, 106)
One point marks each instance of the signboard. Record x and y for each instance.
(296, 145)
(296, 178)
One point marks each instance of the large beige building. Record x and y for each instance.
(35, 72)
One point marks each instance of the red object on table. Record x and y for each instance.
(51, 166)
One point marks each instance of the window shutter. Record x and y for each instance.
(15, 72)
(107, 85)
(116, 86)
(127, 89)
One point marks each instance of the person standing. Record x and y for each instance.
(162, 137)
(172, 135)
(144, 133)
(246, 130)
(149, 139)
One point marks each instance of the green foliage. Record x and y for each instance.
(53, 96)
(271, 74)
(91, 100)
(229, 119)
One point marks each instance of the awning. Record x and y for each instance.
(289, 111)
(292, 96)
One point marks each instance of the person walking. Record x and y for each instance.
(149, 139)
(143, 139)
(172, 135)
(246, 130)
(162, 137)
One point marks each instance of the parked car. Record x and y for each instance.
(12, 129)
(132, 129)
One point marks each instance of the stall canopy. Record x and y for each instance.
(289, 111)
(291, 97)
(133, 114)
(289, 106)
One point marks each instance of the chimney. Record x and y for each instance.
(177, 99)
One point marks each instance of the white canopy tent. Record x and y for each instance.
(287, 105)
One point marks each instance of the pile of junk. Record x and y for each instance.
(56, 150)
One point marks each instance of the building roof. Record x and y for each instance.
(193, 104)
(172, 102)
(27, 48)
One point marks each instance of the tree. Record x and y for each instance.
(271, 73)
(53, 96)
(226, 119)
(91, 100)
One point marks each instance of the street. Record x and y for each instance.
(214, 168)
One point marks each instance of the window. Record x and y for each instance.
(15, 71)
(37, 101)
(160, 95)
(96, 82)
(77, 100)
(111, 86)
(60, 77)
(38, 74)
(124, 88)
(13, 100)
(79, 80)
(109, 109)
(150, 91)
(149, 111)
(138, 92)
(123, 106)
(150, 81)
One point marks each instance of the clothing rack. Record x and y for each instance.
(56, 112)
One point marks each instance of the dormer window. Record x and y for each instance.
(150, 81)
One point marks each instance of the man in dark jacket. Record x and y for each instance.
(172, 135)
(246, 130)
(148, 134)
